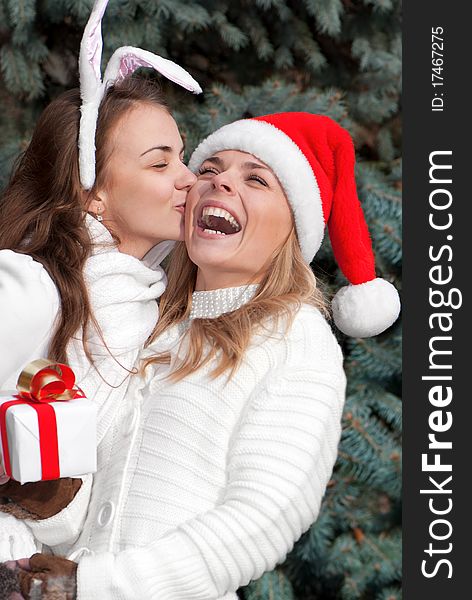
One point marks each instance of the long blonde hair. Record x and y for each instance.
(288, 283)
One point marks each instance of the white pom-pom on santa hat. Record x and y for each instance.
(313, 158)
(362, 310)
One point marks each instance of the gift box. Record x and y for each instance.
(48, 428)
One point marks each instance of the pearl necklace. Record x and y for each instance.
(213, 303)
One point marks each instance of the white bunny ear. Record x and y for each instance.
(127, 59)
(91, 50)
(124, 61)
(91, 91)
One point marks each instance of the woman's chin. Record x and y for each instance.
(212, 256)
(211, 247)
(175, 232)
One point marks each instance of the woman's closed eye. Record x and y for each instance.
(259, 179)
(208, 169)
(161, 165)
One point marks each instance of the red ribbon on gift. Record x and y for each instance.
(42, 381)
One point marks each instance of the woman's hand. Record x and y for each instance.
(39, 499)
(54, 577)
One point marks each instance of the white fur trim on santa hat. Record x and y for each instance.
(273, 147)
(366, 309)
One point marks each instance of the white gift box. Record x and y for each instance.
(76, 438)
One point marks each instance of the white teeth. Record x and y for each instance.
(220, 212)
(213, 231)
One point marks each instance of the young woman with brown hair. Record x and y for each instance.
(111, 149)
(91, 209)
(223, 449)
(73, 288)
(47, 235)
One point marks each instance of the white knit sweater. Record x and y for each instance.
(204, 485)
(123, 293)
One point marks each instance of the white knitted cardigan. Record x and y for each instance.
(123, 292)
(205, 483)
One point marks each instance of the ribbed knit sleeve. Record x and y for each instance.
(279, 463)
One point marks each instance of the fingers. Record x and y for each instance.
(44, 573)
(22, 563)
(22, 579)
(28, 581)
(41, 584)
(42, 562)
(48, 565)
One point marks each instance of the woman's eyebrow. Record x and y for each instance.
(253, 165)
(246, 165)
(163, 149)
(215, 160)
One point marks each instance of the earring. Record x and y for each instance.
(98, 216)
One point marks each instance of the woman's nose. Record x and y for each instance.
(186, 179)
(222, 181)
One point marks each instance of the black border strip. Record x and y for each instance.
(445, 132)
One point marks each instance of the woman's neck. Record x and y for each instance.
(209, 279)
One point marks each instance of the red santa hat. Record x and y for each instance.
(313, 158)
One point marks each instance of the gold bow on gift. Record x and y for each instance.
(44, 380)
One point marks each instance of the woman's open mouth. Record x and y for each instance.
(218, 221)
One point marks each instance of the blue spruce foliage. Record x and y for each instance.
(333, 57)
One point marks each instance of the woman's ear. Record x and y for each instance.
(93, 204)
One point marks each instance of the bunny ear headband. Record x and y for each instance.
(123, 62)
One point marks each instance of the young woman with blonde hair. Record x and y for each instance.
(223, 450)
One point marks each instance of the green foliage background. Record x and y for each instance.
(341, 58)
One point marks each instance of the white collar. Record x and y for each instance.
(213, 303)
(102, 241)
(101, 238)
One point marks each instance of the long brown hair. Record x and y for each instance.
(287, 284)
(42, 210)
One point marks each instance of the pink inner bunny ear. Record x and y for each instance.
(128, 64)
(92, 38)
(127, 59)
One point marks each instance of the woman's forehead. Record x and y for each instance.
(242, 159)
(144, 126)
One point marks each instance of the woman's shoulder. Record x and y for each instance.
(312, 336)
(308, 317)
(22, 276)
(29, 305)
(308, 313)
